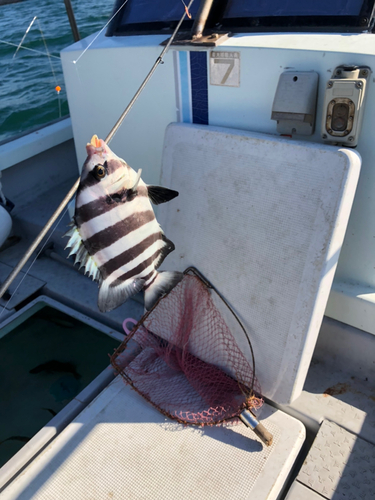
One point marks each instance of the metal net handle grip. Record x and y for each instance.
(249, 419)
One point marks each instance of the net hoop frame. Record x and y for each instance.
(115, 358)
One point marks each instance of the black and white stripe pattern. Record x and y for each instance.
(118, 232)
(122, 238)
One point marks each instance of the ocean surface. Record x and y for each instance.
(28, 79)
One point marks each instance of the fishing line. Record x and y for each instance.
(27, 48)
(20, 46)
(100, 32)
(33, 262)
(158, 61)
(2, 197)
(74, 188)
(47, 51)
(50, 63)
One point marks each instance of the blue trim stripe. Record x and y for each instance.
(199, 87)
(185, 86)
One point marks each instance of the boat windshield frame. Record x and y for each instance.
(220, 19)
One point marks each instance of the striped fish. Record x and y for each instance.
(115, 234)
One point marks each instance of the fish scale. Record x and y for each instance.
(115, 235)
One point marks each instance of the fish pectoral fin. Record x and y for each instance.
(137, 179)
(158, 194)
(132, 192)
(114, 294)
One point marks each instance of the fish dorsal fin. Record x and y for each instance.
(158, 194)
(82, 256)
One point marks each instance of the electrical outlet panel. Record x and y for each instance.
(344, 105)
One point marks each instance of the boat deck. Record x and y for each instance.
(338, 397)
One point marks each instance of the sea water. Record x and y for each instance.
(28, 79)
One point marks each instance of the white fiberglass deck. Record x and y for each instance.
(264, 219)
(121, 447)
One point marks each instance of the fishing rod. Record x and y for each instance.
(74, 188)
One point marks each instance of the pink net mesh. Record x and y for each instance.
(190, 367)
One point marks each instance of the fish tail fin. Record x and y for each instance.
(162, 284)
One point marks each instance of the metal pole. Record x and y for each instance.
(72, 20)
(201, 19)
(71, 193)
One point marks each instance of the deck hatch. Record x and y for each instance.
(47, 358)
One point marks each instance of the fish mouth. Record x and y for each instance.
(95, 141)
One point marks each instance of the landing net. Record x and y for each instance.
(190, 367)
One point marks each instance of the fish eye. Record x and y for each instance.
(100, 171)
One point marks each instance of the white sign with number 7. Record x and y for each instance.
(225, 68)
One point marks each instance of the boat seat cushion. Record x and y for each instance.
(264, 219)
